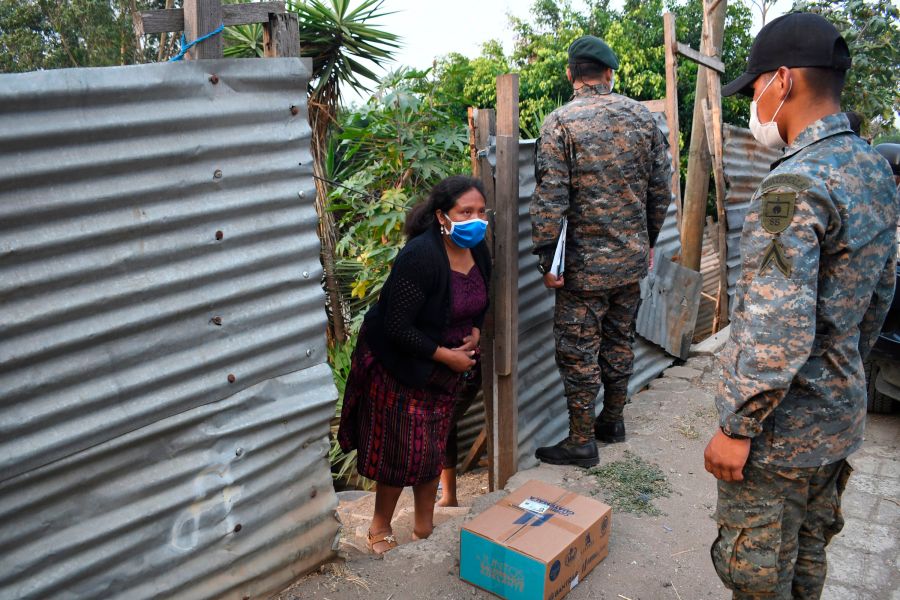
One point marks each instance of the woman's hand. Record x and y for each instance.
(458, 360)
(471, 341)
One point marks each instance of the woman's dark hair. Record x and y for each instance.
(443, 197)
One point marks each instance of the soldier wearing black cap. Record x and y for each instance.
(817, 277)
(601, 164)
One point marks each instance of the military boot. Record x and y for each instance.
(568, 452)
(611, 433)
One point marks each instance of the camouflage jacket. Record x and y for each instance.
(601, 162)
(818, 250)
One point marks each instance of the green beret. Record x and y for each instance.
(592, 49)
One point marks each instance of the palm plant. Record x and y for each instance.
(340, 41)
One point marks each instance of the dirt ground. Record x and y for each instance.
(651, 557)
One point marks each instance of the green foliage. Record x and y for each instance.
(632, 483)
(243, 41)
(392, 149)
(44, 34)
(635, 33)
(872, 31)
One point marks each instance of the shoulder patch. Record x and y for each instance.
(795, 181)
(777, 210)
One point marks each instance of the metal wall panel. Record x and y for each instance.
(157, 235)
(746, 164)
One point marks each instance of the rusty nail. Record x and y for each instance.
(220, 234)
(294, 110)
(216, 321)
(238, 527)
(314, 493)
(217, 174)
(238, 451)
(231, 378)
(214, 79)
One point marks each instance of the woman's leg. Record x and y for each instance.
(424, 517)
(448, 488)
(386, 497)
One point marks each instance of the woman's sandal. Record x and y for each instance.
(381, 542)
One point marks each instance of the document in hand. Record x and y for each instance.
(559, 257)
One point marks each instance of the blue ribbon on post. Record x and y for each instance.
(185, 46)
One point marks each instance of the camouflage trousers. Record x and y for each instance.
(594, 332)
(773, 529)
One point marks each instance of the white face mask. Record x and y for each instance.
(612, 82)
(767, 134)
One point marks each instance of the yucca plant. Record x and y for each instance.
(340, 41)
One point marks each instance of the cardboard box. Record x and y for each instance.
(536, 544)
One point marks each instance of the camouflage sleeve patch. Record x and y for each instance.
(777, 209)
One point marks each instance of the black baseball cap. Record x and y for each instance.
(793, 40)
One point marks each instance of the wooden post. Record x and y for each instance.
(201, 17)
(506, 279)
(714, 101)
(281, 36)
(672, 108)
(697, 184)
(484, 128)
(473, 147)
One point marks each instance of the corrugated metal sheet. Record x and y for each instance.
(670, 296)
(157, 236)
(746, 165)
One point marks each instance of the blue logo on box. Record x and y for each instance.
(554, 571)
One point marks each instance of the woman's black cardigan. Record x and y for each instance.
(405, 325)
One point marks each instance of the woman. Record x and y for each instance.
(414, 347)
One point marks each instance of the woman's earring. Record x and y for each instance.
(444, 230)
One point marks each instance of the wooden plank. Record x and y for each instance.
(506, 308)
(672, 109)
(655, 106)
(281, 36)
(714, 101)
(507, 218)
(484, 129)
(710, 62)
(475, 451)
(696, 187)
(172, 19)
(473, 149)
(200, 18)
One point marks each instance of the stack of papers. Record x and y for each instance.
(559, 257)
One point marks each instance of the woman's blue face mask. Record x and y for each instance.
(467, 234)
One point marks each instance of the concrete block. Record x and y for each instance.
(711, 345)
(682, 373)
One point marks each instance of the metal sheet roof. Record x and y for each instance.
(159, 276)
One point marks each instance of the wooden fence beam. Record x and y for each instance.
(281, 36)
(672, 108)
(200, 18)
(172, 19)
(710, 62)
(697, 184)
(485, 127)
(506, 280)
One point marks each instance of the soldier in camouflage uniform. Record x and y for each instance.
(818, 251)
(601, 163)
